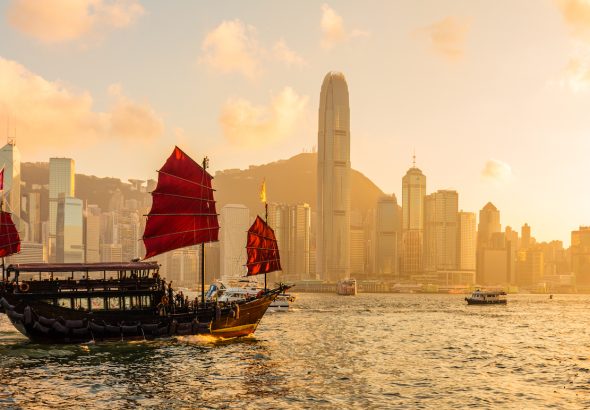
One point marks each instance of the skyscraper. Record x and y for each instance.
(292, 227)
(413, 192)
(581, 256)
(387, 237)
(525, 234)
(440, 230)
(33, 210)
(466, 241)
(235, 221)
(70, 230)
(10, 160)
(92, 234)
(333, 236)
(491, 247)
(61, 181)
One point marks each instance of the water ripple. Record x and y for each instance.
(373, 351)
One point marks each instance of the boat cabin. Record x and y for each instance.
(87, 287)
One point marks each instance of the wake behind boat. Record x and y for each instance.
(75, 303)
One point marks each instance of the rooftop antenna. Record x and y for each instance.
(414, 159)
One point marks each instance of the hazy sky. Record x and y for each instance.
(494, 96)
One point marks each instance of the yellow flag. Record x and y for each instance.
(263, 191)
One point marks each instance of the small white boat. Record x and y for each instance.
(282, 302)
(243, 289)
(491, 297)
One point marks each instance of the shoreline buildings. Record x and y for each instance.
(333, 180)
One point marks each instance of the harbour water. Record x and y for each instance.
(368, 351)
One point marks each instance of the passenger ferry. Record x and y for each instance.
(479, 297)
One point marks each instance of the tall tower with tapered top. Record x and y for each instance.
(333, 213)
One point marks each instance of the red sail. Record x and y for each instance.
(262, 249)
(183, 209)
(9, 238)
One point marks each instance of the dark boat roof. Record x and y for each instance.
(82, 267)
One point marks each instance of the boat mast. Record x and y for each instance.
(265, 220)
(205, 165)
(1, 210)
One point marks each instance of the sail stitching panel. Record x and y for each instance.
(183, 210)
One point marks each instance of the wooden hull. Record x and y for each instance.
(46, 323)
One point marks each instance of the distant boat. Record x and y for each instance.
(346, 287)
(494, 297)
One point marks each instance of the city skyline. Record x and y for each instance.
(497, 117)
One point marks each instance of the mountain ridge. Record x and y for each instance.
(291, 181)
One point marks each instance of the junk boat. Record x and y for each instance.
(480, 297)
(263, 257)
(78, 303)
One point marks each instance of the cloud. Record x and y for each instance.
(333, 31)
(246, 124)
(51, 114)
(130, 119)
(283, 53)
(447, 37)
(60, 21)
(576, 74)
(233, 47)
(496, 171)
(576, 14)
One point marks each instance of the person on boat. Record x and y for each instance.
(170, 293)
(217, 311)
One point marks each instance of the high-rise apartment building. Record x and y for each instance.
(580, 254)
(387, 237)
(467, 240)
(525, 241)
(413, 193)
(10, 160)
(235, 221)
(358, 250)
(292, 227)
(70, 230)
(440, 230)
(61, 182)
(128, 234)
(182, 266)
(489, 223)
(333, 228)
(92, 234)
(33, 211)
(111, 252)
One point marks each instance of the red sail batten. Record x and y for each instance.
(9, 237)
(183, 209)
(262, 249)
